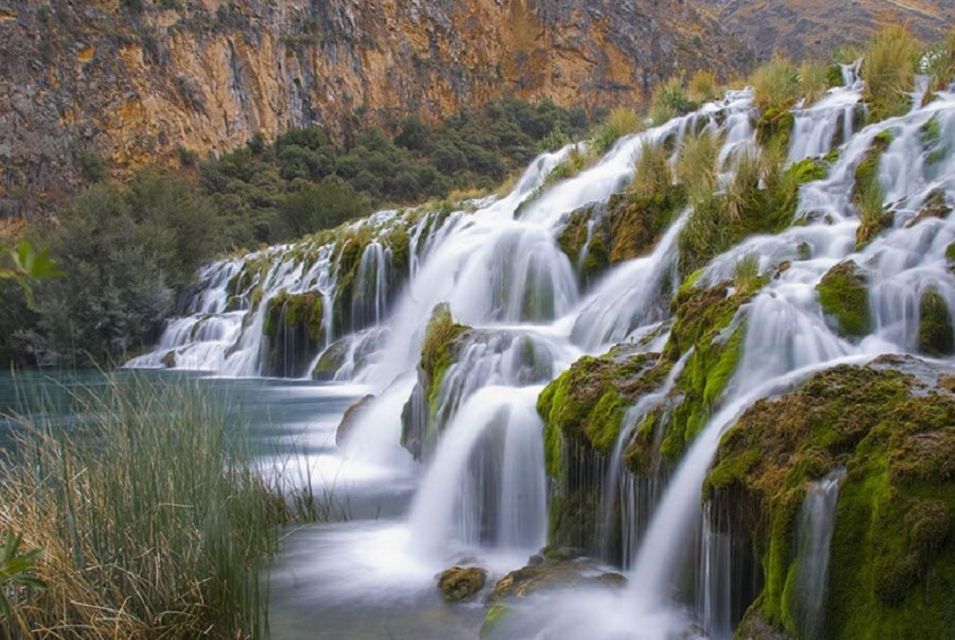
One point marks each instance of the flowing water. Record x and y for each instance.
(479, 487)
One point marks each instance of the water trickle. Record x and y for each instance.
(817, 523)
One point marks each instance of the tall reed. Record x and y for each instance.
(151, 516)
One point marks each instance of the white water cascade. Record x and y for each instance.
(481, 483)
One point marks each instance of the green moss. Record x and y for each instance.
(936, 336)
(834, 75)
(891, 570)
(638, 220)
(497, 614)
(844, 296)
(774, 127)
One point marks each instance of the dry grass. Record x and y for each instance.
(652, 175)
(889, 72)
(696, 166)
(813, 81)
(621, 121)
(151, 519)
(775, 85)
(703, 86)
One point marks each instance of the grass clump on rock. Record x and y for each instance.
(888, 70)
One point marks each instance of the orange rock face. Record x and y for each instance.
(135, 80)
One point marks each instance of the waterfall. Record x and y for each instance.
(486, 481)
(817, 522)
(497, 264)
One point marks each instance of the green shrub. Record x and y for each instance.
(669, 101)
(889, 72)
(324, 205)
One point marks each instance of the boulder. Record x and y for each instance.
(461, 583)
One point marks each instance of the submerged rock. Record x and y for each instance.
(461, 583)
(350, 419)
(169, 360)
(556, 568)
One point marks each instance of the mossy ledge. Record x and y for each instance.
(420, 421)
(891, 426)
(294, 332)
(626, 227)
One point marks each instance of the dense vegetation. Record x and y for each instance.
(129, 251)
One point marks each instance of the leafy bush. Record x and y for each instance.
(320, 206)
(889, 72)
(670, 101)
(124, 253)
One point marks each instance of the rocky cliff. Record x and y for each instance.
(134, 81)
(815, 28)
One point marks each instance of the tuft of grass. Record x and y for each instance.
(847, 54)
(872, 213)
(743, 191)
(652, 175)
(775, 85)
(940, 63)
(703, 86)
(813, 81)
(888, 70)
(696, 166)
(746, 273)
(621, 121)
(669, 101)
(152, 518)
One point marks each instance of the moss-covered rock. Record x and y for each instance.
(553, 569)
(461, 583)
(774, 127)
(587, 402)
(294, 331)
(891, 427)
(936, 336)
(598, 236)
(706, 321)
(420, 419)
(331, 360)
(844, 297)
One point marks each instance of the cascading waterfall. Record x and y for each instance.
(498, 266)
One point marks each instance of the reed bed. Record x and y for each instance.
(151, 516)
